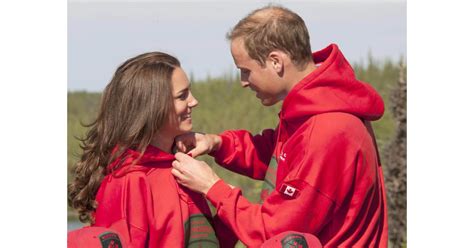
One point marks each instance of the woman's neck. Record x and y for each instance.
(163, 142)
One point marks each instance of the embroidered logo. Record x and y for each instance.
(294, 240)
(289, 190)
(110, 240)
(283, 156)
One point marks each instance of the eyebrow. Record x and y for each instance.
(183, 90)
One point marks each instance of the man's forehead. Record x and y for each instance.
(238, 51)
(237, 46)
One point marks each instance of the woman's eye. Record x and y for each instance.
(183, 96)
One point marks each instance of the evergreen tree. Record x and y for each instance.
(395, 164)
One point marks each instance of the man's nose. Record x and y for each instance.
(244, 83)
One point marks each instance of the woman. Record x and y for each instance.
(123, 179)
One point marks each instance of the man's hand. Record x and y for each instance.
(197, 144)
(193, 174)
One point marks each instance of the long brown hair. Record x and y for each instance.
(134, 105)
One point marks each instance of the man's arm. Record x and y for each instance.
(244, 153)
(320, 177)
(236, 150)
(253, 224)
(303, 207)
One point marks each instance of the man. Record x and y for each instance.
(320, 165)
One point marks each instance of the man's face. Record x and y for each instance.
(263, 80)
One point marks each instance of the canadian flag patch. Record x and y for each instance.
(289, 190)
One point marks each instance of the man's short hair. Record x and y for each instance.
(274, 28)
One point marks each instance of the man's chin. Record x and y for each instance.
(268, 102)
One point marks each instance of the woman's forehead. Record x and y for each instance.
(179, 80)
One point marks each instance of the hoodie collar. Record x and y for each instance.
(132, 160)
(332, 87)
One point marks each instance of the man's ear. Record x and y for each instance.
(276, 59)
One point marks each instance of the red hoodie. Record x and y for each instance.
(142, 201)
(320, 165)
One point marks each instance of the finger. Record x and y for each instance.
(196, 152)
(179, 145)
(176, 165)
(178, 142)
(181, 157)
(193, 153)
(179, 176)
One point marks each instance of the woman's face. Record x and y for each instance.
(184, 101)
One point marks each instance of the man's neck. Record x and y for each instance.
(295, 75)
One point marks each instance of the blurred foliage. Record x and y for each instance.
(223, 104)
(395, 164)
(81, 109)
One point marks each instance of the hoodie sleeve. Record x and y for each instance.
(306, 199)
(255, 223)
(246, 154)
(226, 236)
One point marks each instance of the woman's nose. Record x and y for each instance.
(193, 102)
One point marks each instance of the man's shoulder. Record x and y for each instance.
(337, 119)
(332, 123)
(329, 128)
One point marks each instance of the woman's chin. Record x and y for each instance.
(185, 129)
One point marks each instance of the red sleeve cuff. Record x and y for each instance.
(220, 154)
(218, 191)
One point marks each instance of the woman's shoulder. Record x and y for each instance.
(145, 175)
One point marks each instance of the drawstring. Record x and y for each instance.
(278, 151)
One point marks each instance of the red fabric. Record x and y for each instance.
(94, 237)
(143, 202)
(292, 239)
(322, 151)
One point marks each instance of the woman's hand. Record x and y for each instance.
(193, 174)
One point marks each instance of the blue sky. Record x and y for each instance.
(101, 35)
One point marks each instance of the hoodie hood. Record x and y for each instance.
(132, 160)
(332, 87)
